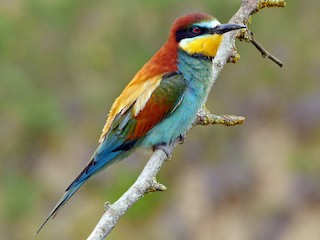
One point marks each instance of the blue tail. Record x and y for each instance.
(107, 153)
(68, 194)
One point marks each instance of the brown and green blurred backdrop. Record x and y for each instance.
(63, 62)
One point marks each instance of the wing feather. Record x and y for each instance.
(136, 92)
(163, 101)
(148, 109)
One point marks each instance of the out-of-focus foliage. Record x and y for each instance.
(62, 63)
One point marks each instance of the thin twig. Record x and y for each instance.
(264, 52)
(247, 35)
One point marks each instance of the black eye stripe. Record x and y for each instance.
(190, 32)
(202, 30)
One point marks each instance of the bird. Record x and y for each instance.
(160, 103)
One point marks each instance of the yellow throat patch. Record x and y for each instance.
(206, 45)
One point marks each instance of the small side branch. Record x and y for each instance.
(269, 4)
(264, 52)
(248, 36)
(204, 117)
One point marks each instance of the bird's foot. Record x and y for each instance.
(166, 148)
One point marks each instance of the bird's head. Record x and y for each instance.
(200, 34)
(197, 34)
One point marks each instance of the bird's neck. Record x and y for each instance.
(197, 70)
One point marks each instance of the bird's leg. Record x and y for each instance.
(166, 148)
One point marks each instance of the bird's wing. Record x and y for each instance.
(145, 113)
(145, 104)
(135, 93)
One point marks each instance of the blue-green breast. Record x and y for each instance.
(196, 72)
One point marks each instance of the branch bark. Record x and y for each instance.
(146, 182)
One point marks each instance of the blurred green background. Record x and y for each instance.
(63, 62)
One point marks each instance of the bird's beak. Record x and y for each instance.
(223, 28)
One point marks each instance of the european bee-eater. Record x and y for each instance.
(161, 101)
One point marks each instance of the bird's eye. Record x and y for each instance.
(196, 30)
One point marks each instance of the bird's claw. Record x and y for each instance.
(181, 138)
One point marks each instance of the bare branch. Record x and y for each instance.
(146, 181)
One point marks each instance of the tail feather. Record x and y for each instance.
(68, 194)
(94, 166)
(107, 153)
(91, 169)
